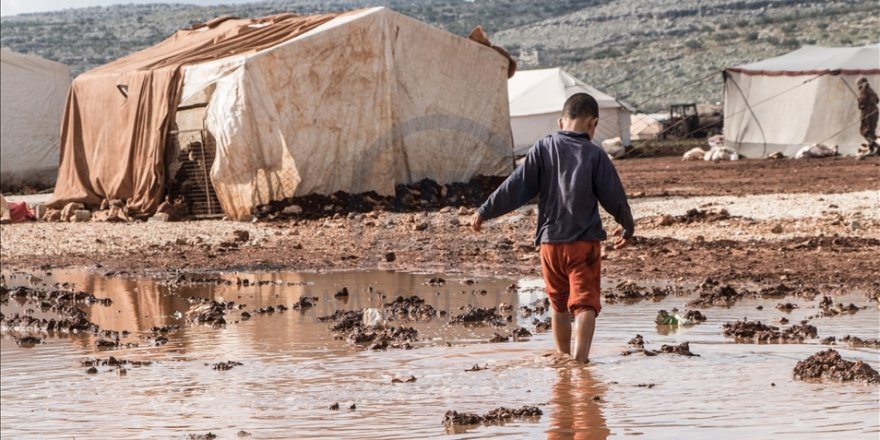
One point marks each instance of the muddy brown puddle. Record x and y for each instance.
(293, 369)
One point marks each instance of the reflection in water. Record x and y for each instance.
(293, 369)
(575, 411)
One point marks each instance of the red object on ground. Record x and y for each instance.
(19, 212)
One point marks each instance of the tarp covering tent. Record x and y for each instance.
(33, 93)
(803, 97)
(536, 100)
(355, 102)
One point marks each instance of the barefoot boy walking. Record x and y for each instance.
(572, 176)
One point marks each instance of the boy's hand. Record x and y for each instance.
(476, 222)
(619, 242)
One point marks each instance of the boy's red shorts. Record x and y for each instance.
(571, 273)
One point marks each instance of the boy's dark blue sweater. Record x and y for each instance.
(572, 176)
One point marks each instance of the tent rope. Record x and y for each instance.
(749, 107)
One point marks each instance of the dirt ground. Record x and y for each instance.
(816, 223)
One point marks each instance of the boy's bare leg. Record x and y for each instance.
(586, 324)
(561, 323)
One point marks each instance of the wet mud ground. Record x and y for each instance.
(284, 374)
(177, 353)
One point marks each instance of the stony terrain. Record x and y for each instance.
(815, 230)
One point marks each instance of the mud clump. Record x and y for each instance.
(722, 296)
(852, 341)
(520, 333)
(857, 342)
(696, 215)
(695, 316)
(829, 364)
(25, 294)
(455, 418)
(411, 308)
(435, 282)
(69, 317)
(755, 331)
(479, 316)
(350, 327)
(787, 307)
(410, 379)
(498, 337)
(638, 344)
(418, 196)
(497, 416)
(638, 341)
(112, 362)
(225, 366)
(304, 302)
(683, 349)
(783, 290)
(28, 341)
(542, 326)
(829, 309)
(208, 311)
(630, 291)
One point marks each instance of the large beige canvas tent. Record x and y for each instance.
(32, 95)
(355, 102)
(536, 100)
(803, 97)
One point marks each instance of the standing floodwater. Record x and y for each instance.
(293, 368)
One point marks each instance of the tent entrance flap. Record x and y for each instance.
(193, 152)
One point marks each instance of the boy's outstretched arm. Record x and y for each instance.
(520, 187)
(610, 193)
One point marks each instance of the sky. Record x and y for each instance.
(13, 7)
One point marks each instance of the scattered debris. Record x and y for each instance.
(496, 416)
(28, 341)
(829, 364)
(630, 291)
(411, 379)
(479, 315)
(224, 366)
(755, 331)
(682, 349)
(498, 337)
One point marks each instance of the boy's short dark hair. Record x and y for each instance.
(580, 105)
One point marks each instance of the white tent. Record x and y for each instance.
(355, 102)
(33, 94)
(536, 100)
(803, 97)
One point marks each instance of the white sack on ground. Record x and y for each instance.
(723, 153)
(614, 148)
(816, 151)
(695, 153)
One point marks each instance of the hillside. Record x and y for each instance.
(635, 49)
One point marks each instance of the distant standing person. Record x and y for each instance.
(572, 176)
(868, 112)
